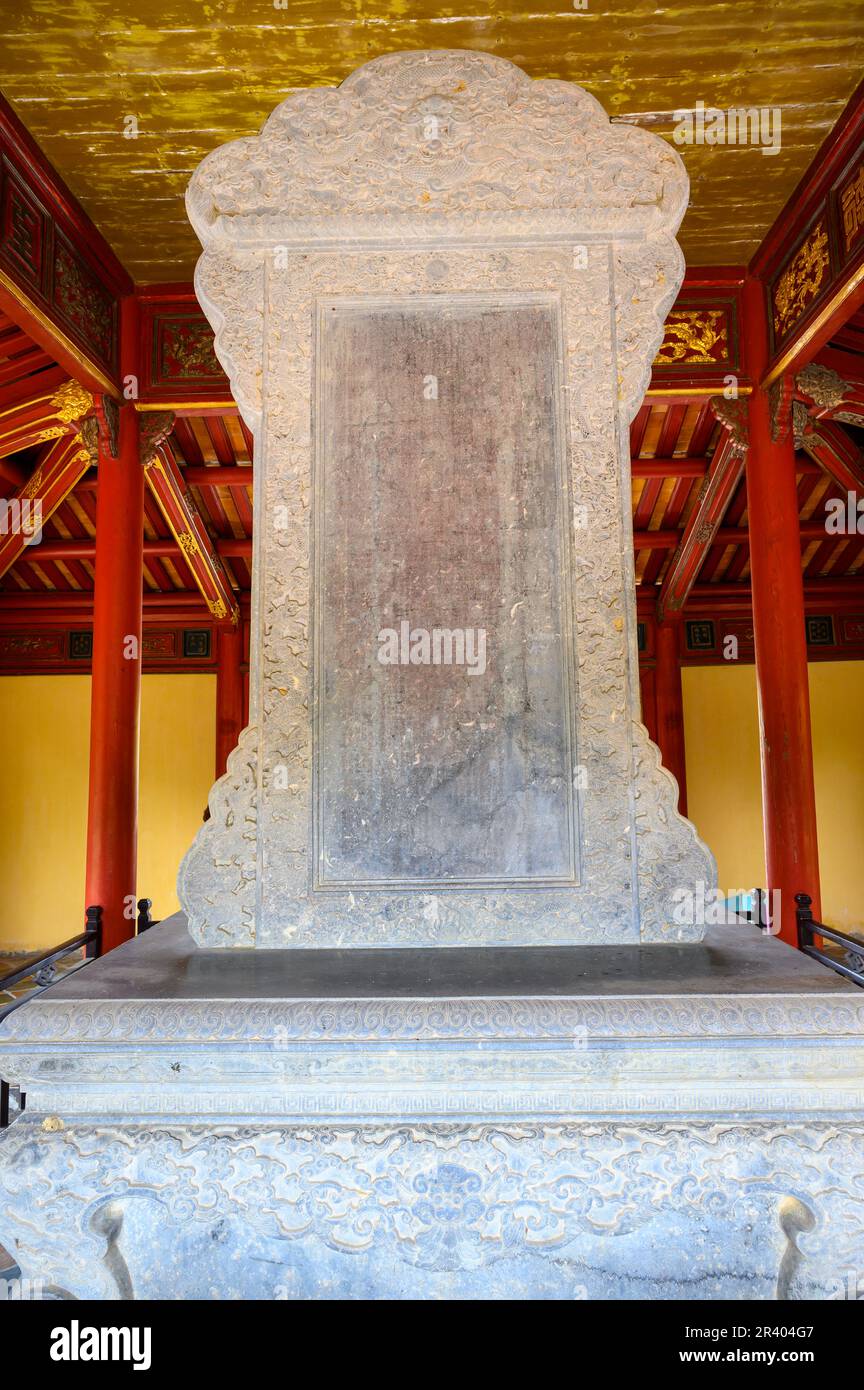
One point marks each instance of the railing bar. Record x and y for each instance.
(46, 957)
(40, 989)
(831, 934)
(809, 928)
(832, 964)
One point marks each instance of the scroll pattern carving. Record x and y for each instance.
(427, 1020)
(438, 144)
(419, 1209)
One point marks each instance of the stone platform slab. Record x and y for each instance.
(622, 1122)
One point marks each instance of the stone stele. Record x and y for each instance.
(437, 291)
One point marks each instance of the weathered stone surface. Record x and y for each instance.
(439, 353)
(440, 513)
(644, 1209)
(611, 1122)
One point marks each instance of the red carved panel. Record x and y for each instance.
(159, 644)
(24, 229)
(32, 646)
(849, 208)
(177, 356)
(63, 270)
(802, 280)
(700, 334)
(82, 302)
(183, 351)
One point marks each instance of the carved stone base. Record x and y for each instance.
(667, 1121)
(595, 1211)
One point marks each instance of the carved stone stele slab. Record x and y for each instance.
(437, 291)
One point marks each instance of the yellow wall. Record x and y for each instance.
(44, 723)
(724, 794)
(178, 758)
(44, 750)
(723, 781)
(43, 808)
(836, 707)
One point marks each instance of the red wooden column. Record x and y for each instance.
(112, 818)
(670, 705)
(648, 695)
(788, 801)
(229, 691)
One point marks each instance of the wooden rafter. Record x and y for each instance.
(832, 387)
(716, 493)
(228, 475)
(84, 548)
(830, 446)
(165, 481)
(52, 412)
(61, 465)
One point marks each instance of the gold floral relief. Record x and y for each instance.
(71, 401)
(188, 543)
(695, 335)
(802, 280)
(33, 484)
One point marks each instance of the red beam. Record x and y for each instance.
(726, 535)
(830, 445)
(30, 300)
(175, 502)
(227, 475)
(84, 548)
(668, 468)
(27, 604)
(45, 412)
(699, 534)
(60, 466)
(847, 365)
(812, 199)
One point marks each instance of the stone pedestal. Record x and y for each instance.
(623, 1122)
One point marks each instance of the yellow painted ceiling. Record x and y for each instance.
(196, 73)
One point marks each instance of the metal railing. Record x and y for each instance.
(849, 963)
(43, 967)
(43, 970)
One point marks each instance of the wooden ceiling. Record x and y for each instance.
(671, 448)
(196, 74)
